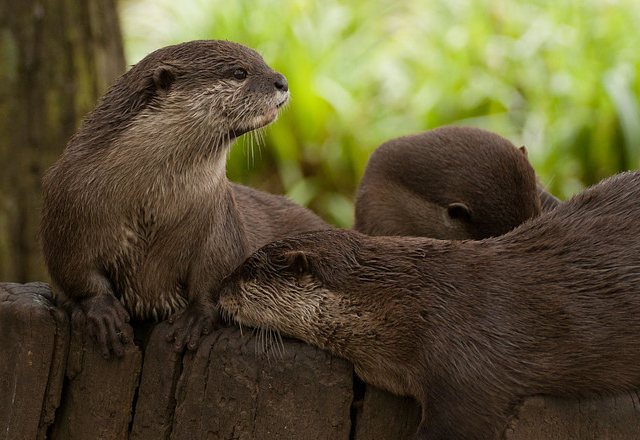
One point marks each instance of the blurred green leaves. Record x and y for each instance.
(559, 77)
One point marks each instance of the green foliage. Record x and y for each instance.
(558, 77)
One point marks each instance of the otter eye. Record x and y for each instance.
(240, 74)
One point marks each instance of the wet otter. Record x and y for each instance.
(450, 183)
(139, 209)
(466, 327)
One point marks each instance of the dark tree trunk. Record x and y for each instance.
(56, 58)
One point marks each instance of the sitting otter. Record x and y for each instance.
(466, 327)
(138, 216)
(449, 183)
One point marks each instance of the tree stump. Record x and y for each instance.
(610, 418)
(230, 389)
(34, 340)
(97, 401)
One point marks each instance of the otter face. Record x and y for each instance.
(209, 87)
(274, 289)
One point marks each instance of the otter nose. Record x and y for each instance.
(281, 83)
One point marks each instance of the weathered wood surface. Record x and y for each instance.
(244, 394)
(156, 395)
(606, 418)
(34, 339)
(229, 389)
(97, 400)
(388, 417)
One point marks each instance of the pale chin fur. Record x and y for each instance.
(270, 115)
(230, 310)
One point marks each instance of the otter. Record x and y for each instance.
(468, 328)
(138, 217)
(449, 183)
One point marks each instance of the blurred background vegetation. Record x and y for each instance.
(558, 77)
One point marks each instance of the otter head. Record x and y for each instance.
(198, 95)
(326, 289)
(220, 84)
(449, 183)
(281, 287)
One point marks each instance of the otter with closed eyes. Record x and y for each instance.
(468, 328)
(450, 182)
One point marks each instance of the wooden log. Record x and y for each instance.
(34, 338)
(156, 396)
(97, 400)
(230, 389)
(611, 418)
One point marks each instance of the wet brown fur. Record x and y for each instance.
(139, 209)
(466, 327)
(449, 183)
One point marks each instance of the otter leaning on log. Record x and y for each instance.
(466, 327)
(139, 209)
(450, 183)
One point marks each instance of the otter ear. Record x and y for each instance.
(163, 77)
(298, 261)
(524, 151)
(304, 263)
(459, 211)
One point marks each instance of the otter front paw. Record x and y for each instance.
(107, 323)
(189, 324)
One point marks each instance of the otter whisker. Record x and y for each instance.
(269, 347)
(261, 340)
(279, 343)
(265, 348)
(276, 348)
(260, 134)
(255, 333)
(253, 158)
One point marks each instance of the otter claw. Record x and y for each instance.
(189, 326)
(107, 323)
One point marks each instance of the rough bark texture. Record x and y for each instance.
(299, 393)
(34, 339)
(228, 389)
(156, 396)
(56, 58)
(611, 418)
(97, 400)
